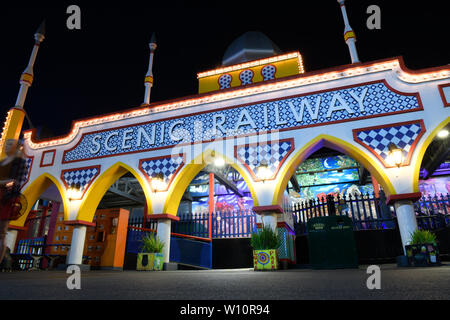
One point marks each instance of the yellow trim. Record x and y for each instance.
(12, 128)
(349, 34)
(148, 79)
(335, 143)
(423, 149)
(188, 173)
(33, 192)
(26, 77)
(99, 187)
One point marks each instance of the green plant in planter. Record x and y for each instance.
(151, 244)
(151, 256)
(422, 249)
(422, 237)
(265, 244)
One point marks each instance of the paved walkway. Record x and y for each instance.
(396, 283)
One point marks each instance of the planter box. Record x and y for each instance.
(150, 261)
(265, 259)
(423, 255)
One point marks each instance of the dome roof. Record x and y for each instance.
(251, 45)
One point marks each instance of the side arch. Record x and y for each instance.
(331, 142)
(33, 192)
(99, 187)
(188, 173)
(423, 149)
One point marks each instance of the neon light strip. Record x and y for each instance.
(254, 63)
(263, 88)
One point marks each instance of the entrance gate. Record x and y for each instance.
(273, 124)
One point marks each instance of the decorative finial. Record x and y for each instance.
(27, 76)
(39, 36)
(148, 82)
(349, 34)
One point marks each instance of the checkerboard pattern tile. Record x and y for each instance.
(272, 152)
(246, 77)
(378, 140)
(26, 173)
(167, 166)
(225, 81)
(268, 72)
(83, 176)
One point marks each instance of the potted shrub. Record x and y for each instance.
(422, 250)
(265, 244)
(151, 256)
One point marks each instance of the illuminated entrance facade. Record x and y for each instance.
(264, 117)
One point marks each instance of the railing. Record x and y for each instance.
(433, 212)
(366, 211)
(26, 249)
(370, 213)
(224, 224)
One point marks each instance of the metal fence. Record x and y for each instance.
(224, 224)
(370, 213)
(366, 211)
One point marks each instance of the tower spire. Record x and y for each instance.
(148, 82)
(26, 78)
(349, 34)
(16, 115)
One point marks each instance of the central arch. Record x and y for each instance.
(188, 173)
(98, 189)
(331, 142)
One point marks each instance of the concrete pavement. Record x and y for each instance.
(396, 283)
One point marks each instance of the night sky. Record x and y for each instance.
(101, 68)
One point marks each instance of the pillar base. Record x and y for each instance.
(170, 266)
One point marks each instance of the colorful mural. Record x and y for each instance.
(329, 163)
(435, 187)
(319, 177)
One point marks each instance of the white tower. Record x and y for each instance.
(148, 82)
(27, 76)
(349, 34)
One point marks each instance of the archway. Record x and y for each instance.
(332, 143)
(190, 171)
(101, 185)
(421, 154)
(35, 190)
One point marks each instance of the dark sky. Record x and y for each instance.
(100, 68)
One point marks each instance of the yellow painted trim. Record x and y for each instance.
(349, 34)
(99, 187)
(33, 192)
(188, 173)
(423, 149)
(13, 127)
(336, 143)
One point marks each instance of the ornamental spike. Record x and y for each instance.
(148, 82)
(349, 34)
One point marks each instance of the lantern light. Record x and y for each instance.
(158, 183)
(443, 134)
(74, 192)
(263, 172)
(395, 155)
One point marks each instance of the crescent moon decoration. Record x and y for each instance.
(325, 164)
